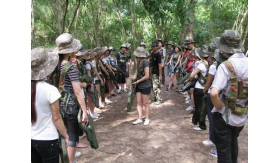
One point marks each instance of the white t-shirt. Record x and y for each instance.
(212, 71)
(203, 71)
(44, 128)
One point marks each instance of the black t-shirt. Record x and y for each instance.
(155, 60)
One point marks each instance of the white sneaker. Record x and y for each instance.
(187, 97)
(187, 101)
(185, 93)
(94, 116)
(119, 91)
(78, 154)
(137, 121)
(147, 121)
(101, 105)
(190, 108)
(208, 143)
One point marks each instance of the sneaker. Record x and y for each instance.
(147, 121)
(213, 152)
(197, 128)
(101, 105)
(185, 93)
(190, 108)
(187, 101)
(187, 97)
(119, 91)
(78, 154)
(113, 94)
(156, 103)
(93, 116)
(96, 114)
(191, 120)
(123, 90)
(208, 143)
(108, 101)
(137, 121)
(167, 90)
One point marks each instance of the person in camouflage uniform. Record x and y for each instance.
(156, 72)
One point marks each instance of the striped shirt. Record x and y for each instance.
(72, 75)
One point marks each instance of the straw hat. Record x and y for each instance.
(42, 63)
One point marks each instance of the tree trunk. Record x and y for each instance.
(58, 16)
(74, 16)
(133, 22)
(64, 16)
(32, 27)
(190, 24)
(182, 34)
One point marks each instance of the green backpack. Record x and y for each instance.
(239, 89)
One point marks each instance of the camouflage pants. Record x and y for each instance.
(156, 87)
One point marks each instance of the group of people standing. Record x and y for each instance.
(89, 78)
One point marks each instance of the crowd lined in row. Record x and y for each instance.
(68, 78)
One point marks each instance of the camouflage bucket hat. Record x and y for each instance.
(203, 51)
(140, 52)
(81, 52)
(123, 46)
(218, 56)
(216, 41)
(67, 44)
(127, 44)
(154, 43)
(103, 49)
(230, 42)
(42, 63)
(189, 41)
(179, 47)
(142, 44)
(170, 43)
(195, 53)
(210, 50)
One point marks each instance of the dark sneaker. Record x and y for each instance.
(167, 90)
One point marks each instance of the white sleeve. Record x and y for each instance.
(164, 52)
(88, 66)
(53, 94)
(212, 70)
(93, 63)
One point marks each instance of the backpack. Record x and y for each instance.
(239, 89)
(202, 79)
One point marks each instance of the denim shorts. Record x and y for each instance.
(72, 125)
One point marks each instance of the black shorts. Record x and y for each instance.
(145, 91)
(97, 82)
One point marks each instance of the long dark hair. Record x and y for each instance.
(33, 101)
(56, 73)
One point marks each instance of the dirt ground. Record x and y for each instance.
(168, 138)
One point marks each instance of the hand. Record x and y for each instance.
(135, 83)
(66, 141)
(114, 69)
(102, 82)
(85, 117)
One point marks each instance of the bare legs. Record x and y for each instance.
(143, 101)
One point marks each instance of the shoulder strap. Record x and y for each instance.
(62, 75)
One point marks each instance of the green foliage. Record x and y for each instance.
(108, 22)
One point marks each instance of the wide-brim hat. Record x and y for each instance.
(81, 52)
(140, 52)
(218, 56)
(154, 43)
(170, 43)
(142, 44)
(42, 63)
(128, 44)
(230, 42)
(189, 41)
(199, 52)
(90, 54)
(123, 46)
(179, 47)
(195, 53)
(67, 44)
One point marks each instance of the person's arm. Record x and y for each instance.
(178, 61)
(57, 120)
(80, 97)
(160, 68)
(169, 62)
(214, 95)
(208, 82)
(196, 71)
(103, 68)
(98, 76)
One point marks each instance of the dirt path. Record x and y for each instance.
(168, 138)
